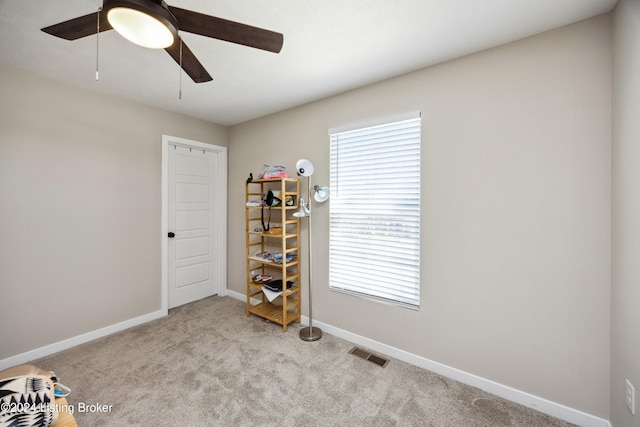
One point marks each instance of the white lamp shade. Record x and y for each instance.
(321, 194)
(303, 211)
(304, 167)
(140, 28)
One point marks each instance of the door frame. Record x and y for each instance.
(168, 140)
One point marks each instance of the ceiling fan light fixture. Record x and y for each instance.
(144, 23)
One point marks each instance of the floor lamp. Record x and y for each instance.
(305, 168)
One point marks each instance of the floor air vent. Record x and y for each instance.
(363, 354)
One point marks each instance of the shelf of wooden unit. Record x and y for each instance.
(290, 291)
(276, 313)
(273, 264)
(286, 308)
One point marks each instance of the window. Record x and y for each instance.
(374, 241)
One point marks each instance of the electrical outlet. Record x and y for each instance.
(630, 397)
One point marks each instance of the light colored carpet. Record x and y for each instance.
(207, 364)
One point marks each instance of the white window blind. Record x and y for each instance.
(374, 240)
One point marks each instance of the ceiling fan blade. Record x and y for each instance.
(222, 29)
(190, 63)
(77, 28)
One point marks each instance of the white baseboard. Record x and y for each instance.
(534, 402)
(77, 340)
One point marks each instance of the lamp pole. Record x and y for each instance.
(310, 333)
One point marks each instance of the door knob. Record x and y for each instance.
(171, 234)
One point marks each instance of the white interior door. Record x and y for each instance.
(193, 224)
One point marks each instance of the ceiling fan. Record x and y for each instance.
(154, 24)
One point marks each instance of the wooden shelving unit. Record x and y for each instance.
(285, 309)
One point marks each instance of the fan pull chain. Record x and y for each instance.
(180, 77)
(98, 44)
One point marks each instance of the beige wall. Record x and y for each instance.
(625, 290)
(515, 212)
(80, 208)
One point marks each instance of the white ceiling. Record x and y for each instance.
(330, 46)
